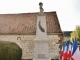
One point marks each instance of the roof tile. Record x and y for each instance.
(26, 23)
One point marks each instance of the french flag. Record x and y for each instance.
(70, 51)
(66, 50)
(62, 52)
(75, 52)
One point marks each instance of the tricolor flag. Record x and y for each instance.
(76, 52)
(66, 51)
(70, 51)
(62, 52)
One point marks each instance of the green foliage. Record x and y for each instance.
(10, 51)
(76, 33)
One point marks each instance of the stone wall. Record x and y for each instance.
(27, 45)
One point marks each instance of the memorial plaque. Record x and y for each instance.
(41, 56)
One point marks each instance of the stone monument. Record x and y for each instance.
(41, 41)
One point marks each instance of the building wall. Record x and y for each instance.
(27, 45)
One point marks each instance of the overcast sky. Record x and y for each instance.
(68, 11)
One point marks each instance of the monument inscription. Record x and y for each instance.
(41, 56)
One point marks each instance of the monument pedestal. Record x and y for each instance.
(41, 50)
(41, 41)
(41, 59)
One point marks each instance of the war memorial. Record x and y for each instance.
(38, 34)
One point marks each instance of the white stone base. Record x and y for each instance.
(42, 59)
(41, 50)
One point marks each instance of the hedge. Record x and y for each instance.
(10, 51)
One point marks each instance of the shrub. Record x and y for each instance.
(10, 51)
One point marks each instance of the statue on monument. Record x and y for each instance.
(41, 9)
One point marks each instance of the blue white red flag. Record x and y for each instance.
(70, 51)
(66, 51)
(76, 52)
(62, 52)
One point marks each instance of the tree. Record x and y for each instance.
(76, 33)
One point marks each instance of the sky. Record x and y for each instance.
(68, 11)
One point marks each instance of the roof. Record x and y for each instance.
(66, 33)
(26, 23)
